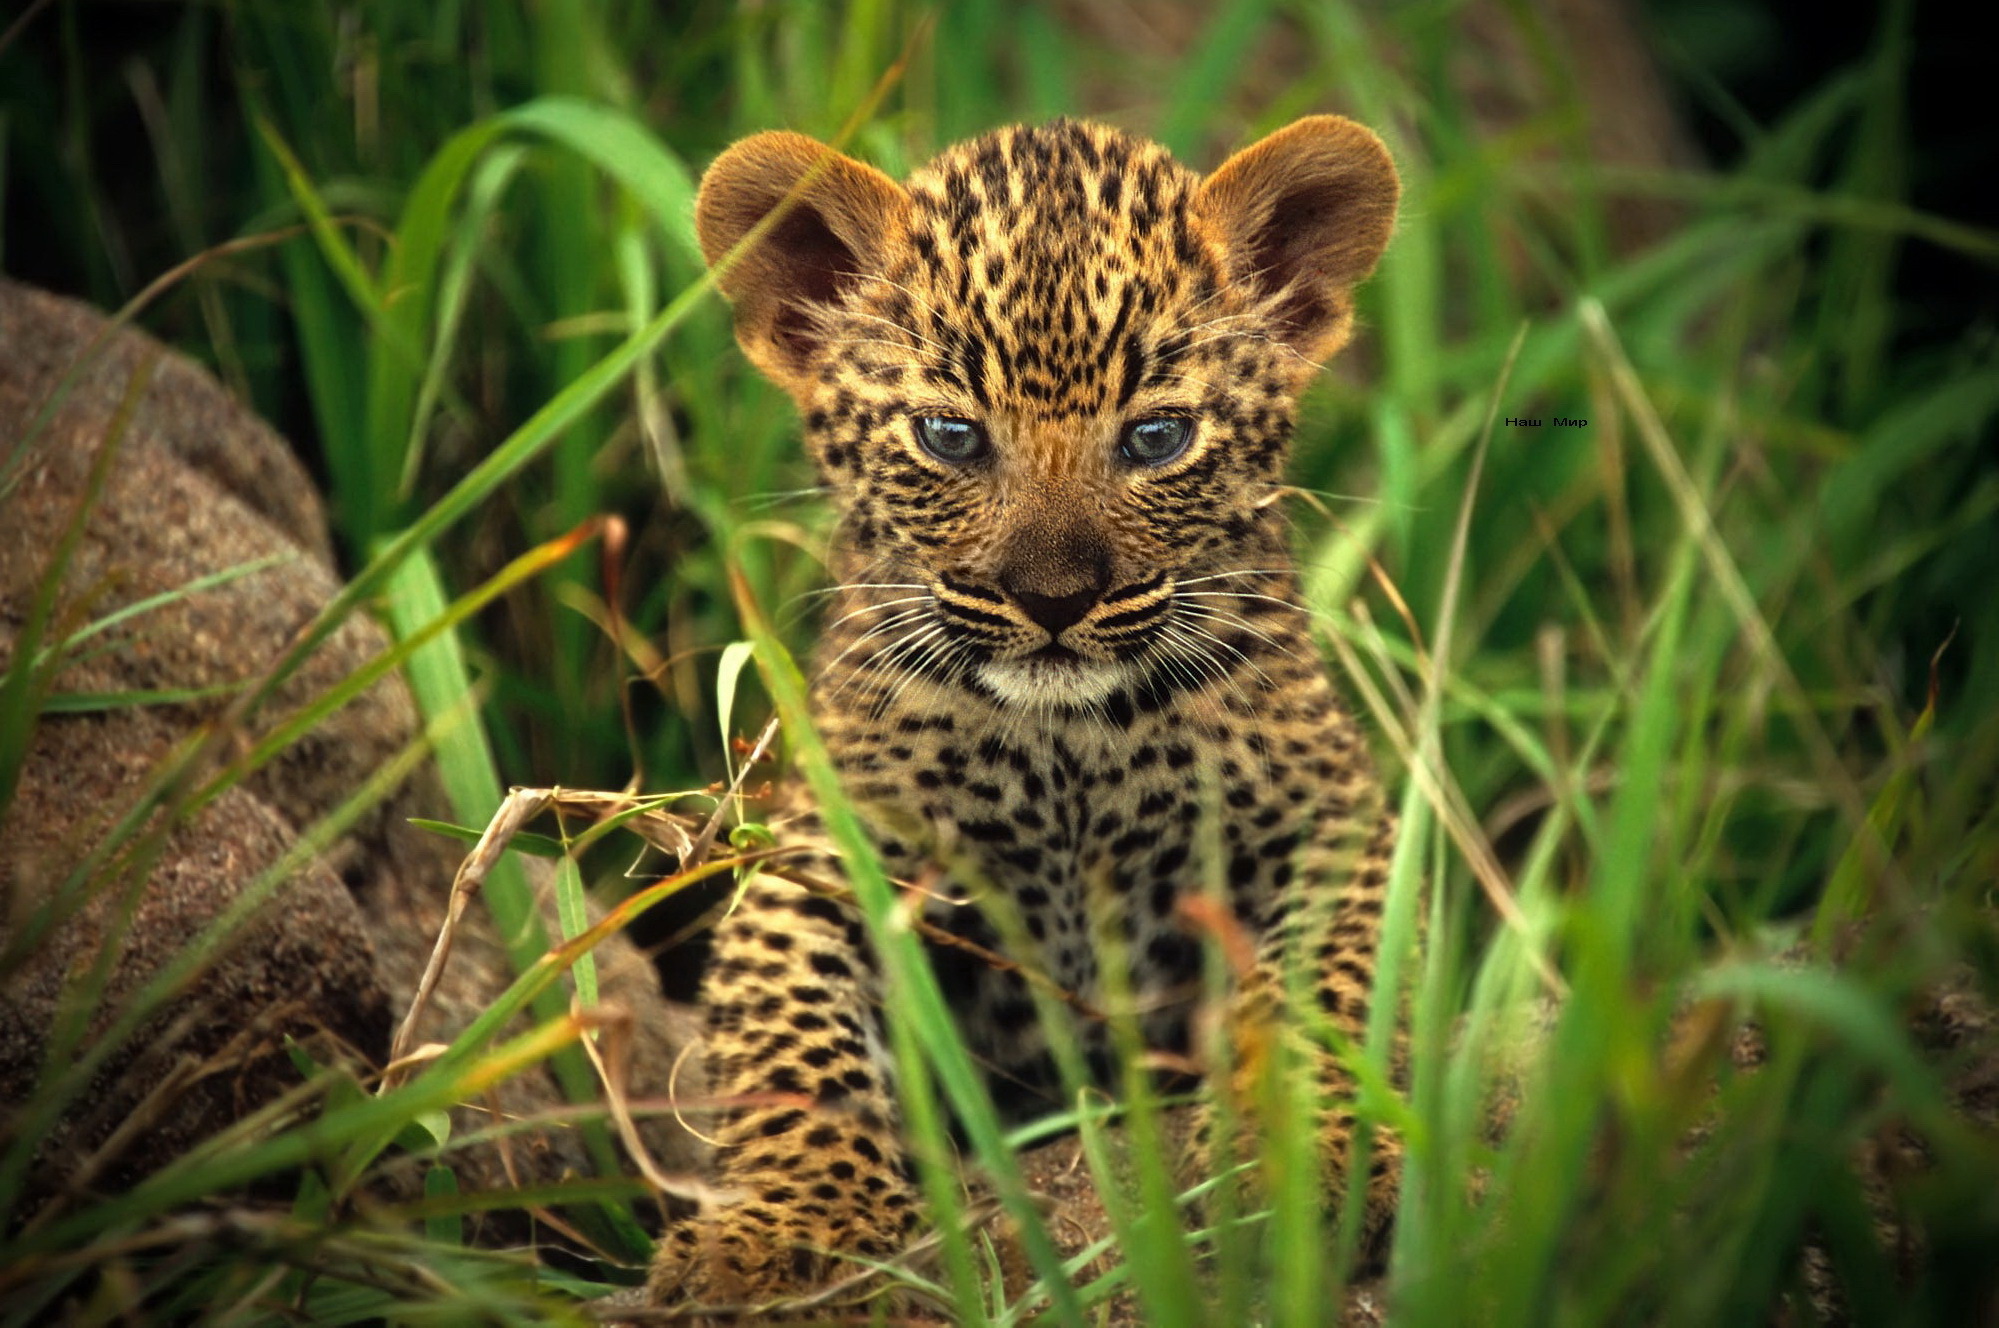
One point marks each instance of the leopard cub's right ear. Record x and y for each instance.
(836, 222)
(1304, 216)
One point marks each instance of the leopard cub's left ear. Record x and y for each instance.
(837, 221)
(1303, 216)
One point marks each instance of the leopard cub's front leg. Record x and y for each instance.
(808, 1166)
(1321, 943)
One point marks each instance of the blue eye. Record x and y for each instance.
(956, 441)
(1155, 441)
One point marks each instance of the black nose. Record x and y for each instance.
(1055, 612)
(1059, 600)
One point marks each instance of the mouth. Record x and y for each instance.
(1054, 678)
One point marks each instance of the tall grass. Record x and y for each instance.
(1692, 712)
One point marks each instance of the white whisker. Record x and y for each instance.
(1235, 621)
(1246, 571)
(903, 619)
(871, 608)
(1240, 594)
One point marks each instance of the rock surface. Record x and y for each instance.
(196, 485)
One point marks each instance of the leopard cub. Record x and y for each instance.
(1050, 382)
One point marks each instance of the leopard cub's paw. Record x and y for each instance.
(747, 1256)
(1335, 1130)
(730, 1256)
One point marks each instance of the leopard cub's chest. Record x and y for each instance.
(1069, 844)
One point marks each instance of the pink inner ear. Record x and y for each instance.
(1317, 241)
(817, 267)
(1282, 259)
(1306, 213)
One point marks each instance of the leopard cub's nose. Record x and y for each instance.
(1058, 600)
(1053, 613)
(1054, 578)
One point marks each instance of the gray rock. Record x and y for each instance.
(199, 485)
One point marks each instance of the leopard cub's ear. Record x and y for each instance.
(839, 220)
(1303, 216)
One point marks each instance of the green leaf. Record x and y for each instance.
(426, 1132)
(542, 846)
(573, 911)
(440, 1184)
(728, 674)
(90, 703)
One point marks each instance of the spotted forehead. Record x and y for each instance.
(1066, 253)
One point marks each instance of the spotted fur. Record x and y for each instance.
(1051, 671)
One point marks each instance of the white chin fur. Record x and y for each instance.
(1046, 684)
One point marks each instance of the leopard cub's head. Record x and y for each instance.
(1051, 378)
